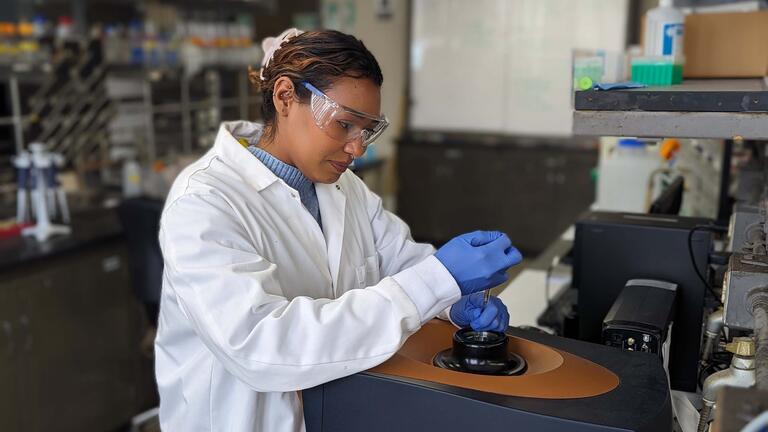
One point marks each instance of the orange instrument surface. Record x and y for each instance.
(551, 373)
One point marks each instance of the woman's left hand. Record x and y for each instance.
(470, 312)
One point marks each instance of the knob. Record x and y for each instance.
(742, 346)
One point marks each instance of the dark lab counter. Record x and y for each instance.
(89, 227)
(72, 329)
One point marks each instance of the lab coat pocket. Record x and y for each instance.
(368, 273)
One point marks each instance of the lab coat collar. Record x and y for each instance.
(331, 197)
(226, 145)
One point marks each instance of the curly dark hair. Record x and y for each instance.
(318, 57)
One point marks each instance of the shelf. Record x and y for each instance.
(671, 124)
(26, 72)
(176, 108)
(718, 109)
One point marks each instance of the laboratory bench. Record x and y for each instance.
(71, 329)
(89, 227)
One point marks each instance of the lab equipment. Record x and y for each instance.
(641, 316)
(663, 60)
(623, 174)
(569, 385)
(593, 68)
(61, 195)
(739, 407)
(670, 200)
(23, 164)
(741, 373)
(480, 352)
(343, 123)
(712, 329)
(664, 31)
(746, 273)
(656, 71)
(49, 175)
(758, 305)
(471, 310)
(479, 260)
(613, 248)
(745, 221)
(43, 180)
(587, 70)
(131, 178)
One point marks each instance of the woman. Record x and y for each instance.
(282, 270)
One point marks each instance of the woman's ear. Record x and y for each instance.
(283, 96)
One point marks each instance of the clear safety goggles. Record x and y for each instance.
(342, 123)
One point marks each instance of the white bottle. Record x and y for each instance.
(664, 31)
(131, 178)
(623, 176)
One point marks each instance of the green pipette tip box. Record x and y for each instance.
(658, 73)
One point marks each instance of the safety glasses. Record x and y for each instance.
(342, 123)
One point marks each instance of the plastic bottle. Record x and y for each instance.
(64, 29)
(175, 40)
(135, 36)
(131, 178)
(42, 31)
(624, 175)
(39, 27)
(151, 45)
(662, 63)
(6, 45)
(27, 45)
(111, 44)
(664, 31)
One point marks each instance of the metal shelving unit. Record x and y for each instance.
(718, 109)
(168, 116)
(181, 101)
(715, 109)
(13, 78)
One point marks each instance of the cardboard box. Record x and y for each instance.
(726, 45)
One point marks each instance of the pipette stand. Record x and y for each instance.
(43, 229)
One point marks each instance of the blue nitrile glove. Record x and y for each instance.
(478, 260)
(469, 312)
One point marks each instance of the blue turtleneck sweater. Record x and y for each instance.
(293, 178)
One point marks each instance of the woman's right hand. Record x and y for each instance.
(479, 260)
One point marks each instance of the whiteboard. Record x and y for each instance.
(504, 66)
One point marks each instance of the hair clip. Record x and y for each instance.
(272, 44)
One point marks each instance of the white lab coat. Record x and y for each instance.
(258, 302)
